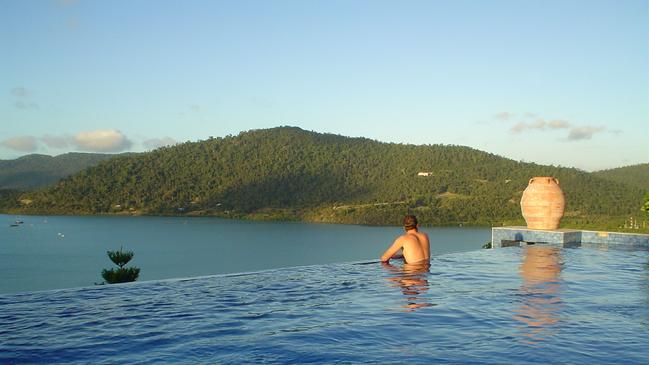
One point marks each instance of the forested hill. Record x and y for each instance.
(289, 173)
(636, 175)
(33, 171)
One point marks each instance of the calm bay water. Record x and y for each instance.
(51, 252)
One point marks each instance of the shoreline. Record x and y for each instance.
(281, 216)
(251, 217)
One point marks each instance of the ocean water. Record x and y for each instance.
(50, 252)
(532, 305)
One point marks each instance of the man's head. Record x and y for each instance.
(410, 222)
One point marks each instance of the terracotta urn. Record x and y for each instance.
(543, 203)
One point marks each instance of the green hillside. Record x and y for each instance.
(289, 173)
(33, 171)
(636, 175)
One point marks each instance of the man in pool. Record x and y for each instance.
(414, 245)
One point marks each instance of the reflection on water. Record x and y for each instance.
(539, 310)
(412, 279)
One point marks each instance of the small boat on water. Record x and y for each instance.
(18, 221)
(13, 225)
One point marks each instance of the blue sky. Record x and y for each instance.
(553, 82)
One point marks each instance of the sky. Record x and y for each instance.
(561, 83)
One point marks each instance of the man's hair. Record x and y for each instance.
(410, 222)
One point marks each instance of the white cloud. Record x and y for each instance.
(558, 124)
(19, 92)
(92, 141)
(21, 95)
(21, 143)
(575, 133)
(585, 132)
(518, 127)
(154, 143)
(540, 124)
(102, 141)
(25, 106)
(55, 141)
(504, 116)
(537, 124)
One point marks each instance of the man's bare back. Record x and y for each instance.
(414, 244)
(423, 242)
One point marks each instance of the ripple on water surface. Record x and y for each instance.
(508, 306)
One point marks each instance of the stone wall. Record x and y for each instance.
(514, 236)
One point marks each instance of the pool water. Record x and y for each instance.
(534, 305)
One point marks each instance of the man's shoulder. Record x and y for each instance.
(409, 237)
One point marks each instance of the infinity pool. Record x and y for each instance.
(517, 305)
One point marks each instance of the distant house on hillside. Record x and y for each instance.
(425, 173)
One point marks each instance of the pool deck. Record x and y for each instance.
(517, 236)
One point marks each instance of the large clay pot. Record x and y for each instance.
(543, 203)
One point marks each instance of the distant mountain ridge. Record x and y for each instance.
(36, 170)
(290, 173)
(636, 175)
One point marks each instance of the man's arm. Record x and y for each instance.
(396, 246)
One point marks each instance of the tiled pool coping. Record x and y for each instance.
(514, 236)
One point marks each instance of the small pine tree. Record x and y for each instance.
(122, 274)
